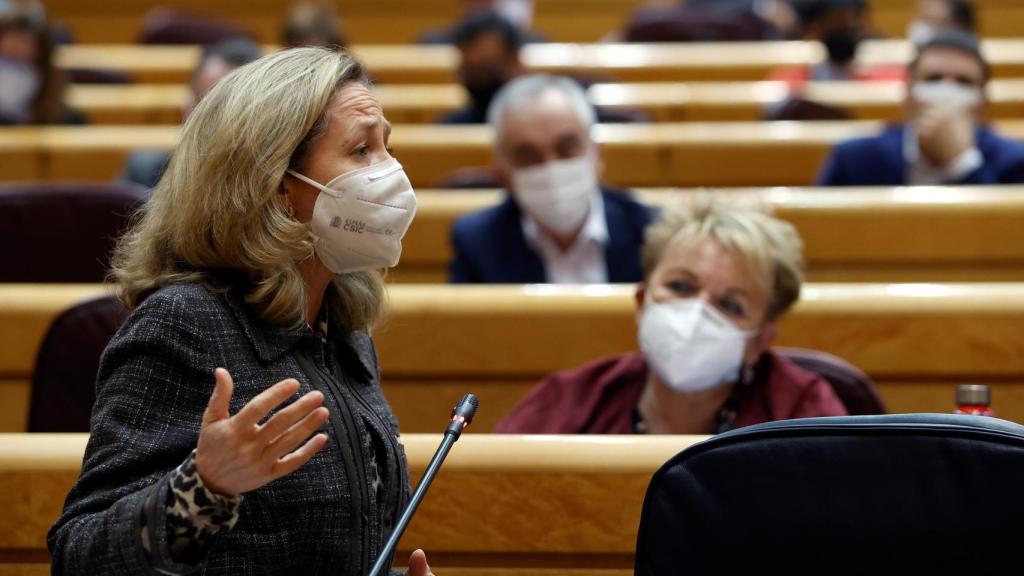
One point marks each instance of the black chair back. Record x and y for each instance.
(63, 232)
(64, 378)
(682, 24)
(912, 493)
(855, 388)
(170, 26)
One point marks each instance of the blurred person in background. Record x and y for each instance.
(558, 224)
(488, 46)
(840, 26)
(146, 167)
(313, 23)
(935, 15)
(31, 87)
(519, 13)
(717, 279)
(944, 139)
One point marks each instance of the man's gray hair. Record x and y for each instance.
(526, 89)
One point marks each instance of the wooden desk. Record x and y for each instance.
(402, 21)
(923, 234)
(148, 104)
(916, 340)
(669, 154)
(413, 64)
(502, 505)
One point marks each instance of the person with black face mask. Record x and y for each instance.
(840, 26)
(488, 47)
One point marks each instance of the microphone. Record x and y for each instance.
(462, 416)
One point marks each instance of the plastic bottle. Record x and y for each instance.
(974, 399)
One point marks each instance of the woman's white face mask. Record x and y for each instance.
(690, 345)
(360, 217)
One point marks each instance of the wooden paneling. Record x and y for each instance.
(687, 154)
(503, 505)
(913, 234)
(662, 102)
(402, 21)
(729, 61)
(916, 340)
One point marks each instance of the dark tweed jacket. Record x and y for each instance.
(155, 380)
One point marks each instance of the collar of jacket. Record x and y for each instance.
(270, 343)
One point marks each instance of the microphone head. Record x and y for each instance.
(466, 408)
(463, 413)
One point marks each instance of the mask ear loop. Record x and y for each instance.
(288, 208)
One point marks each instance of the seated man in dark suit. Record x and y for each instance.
(558, 225)
(146, 167)
(944, 140)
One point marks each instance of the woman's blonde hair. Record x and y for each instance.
(772, 248)
(217, 207)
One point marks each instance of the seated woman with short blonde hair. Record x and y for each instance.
(717, 279)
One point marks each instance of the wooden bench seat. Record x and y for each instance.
(501, 506)
(414, 64)
(916, 340)
(687, 154)
(661, 101)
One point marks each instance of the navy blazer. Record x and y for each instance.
(878, 161)
(490, 246)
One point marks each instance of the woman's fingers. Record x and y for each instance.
(220, 401)
(287, 417)
(294, 460)
(236, 455)
(297, 434)
(418, 564)
(265, 401)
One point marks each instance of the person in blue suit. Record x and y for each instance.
(558, 224)
(944, 140)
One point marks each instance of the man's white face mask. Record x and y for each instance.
(360, 217)
(557, 194)
(690, 345)
(948, 94)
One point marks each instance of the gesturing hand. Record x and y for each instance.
(237, 454)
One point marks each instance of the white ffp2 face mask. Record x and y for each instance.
(557, 194)
(949, 94)
(19, 84)
(360, 217)
(690, 345)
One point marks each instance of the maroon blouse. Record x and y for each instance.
(601, 397)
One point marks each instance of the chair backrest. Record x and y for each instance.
(918, 493)
(682, 24)
(855, 388)
(471, 177)
(64, 378)
(63, 232)
(802, 109)
(96, 76)
(170, 26)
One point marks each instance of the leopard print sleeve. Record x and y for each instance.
(195, 514)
